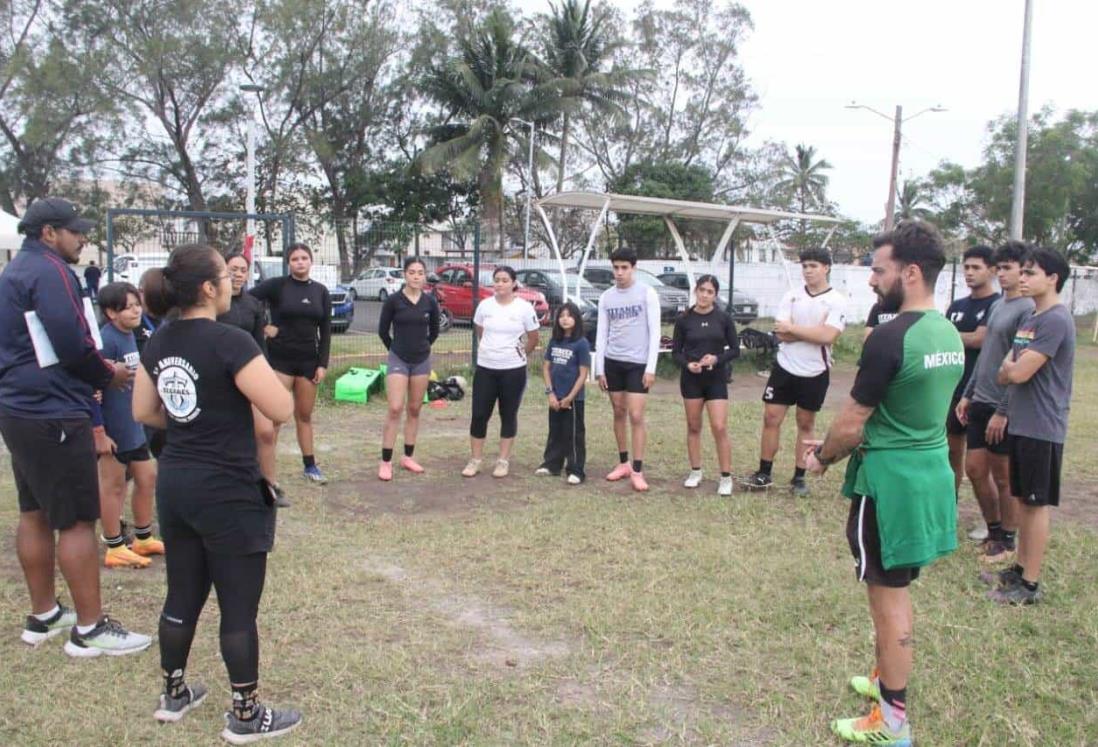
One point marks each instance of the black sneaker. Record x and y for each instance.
(267, 723)
(758, 481)
(1016, 594)
(37, 632)
(172, 709)
(799, 487)
(280, 497)
(1001, 578)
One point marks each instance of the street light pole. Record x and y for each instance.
(897, 127)
(249, 200)
(529, 188)
(1018, 198)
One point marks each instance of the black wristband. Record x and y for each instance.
(819, 456)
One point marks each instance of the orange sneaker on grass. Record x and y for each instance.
(411, 465)
(147, 547)
(622, 471)
(124, 557)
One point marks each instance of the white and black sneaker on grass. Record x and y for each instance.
(107, 637)
(267, 723)
(172, 709)
(693, 480)
(758, 481)
(37, 632)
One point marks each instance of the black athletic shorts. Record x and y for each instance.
(140, 454)
(979, 413)
(303, 367)
(865, 544)
(954, 427)
(55, 469)
(806, 392)
(1035, 470)
(230, 514)
(706, 385)
(624, 377)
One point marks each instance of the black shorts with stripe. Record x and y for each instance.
(865, 545)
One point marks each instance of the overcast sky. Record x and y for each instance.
(808, 58)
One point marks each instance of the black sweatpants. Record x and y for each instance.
(238, 579)
(566, 445)
(489, 386)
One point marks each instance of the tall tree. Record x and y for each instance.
(491, 79)
(911, 201)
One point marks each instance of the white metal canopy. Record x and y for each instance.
(669, 210)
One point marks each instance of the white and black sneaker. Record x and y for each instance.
(758, 481)
(107, 637)
(267, 723)
(693, 480)
(37, 632)
(173, 709)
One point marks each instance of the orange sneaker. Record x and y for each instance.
(622, 471)
(147, 547)
(124, 557)
(385, 471)
(639, 483)
(406, 462)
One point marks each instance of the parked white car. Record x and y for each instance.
(378, 283)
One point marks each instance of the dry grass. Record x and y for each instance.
(437, 610)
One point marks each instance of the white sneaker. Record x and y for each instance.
(542, 472)
(724, 488)
(978, 533)
(574, 480)
(693, 480)
(107, 637)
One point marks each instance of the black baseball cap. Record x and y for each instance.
(54, 211)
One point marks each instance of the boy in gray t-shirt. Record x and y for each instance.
(1039, 372)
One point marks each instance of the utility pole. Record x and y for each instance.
(890, 207)
(1018, 199)
(529, 188)
(249, 200)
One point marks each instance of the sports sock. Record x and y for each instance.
(116, 541)
(623, 456)
(173, 683)
(726, 474)
(994, 530)
(638, 465)
(409, 449)
(85, 629)
(893, 706)
(798, 473)
(695, 469)
(308, 460)
(1007, 538)
(44, 616)
(386, 455)
(143, 533)
(765, 466)
(1030, 585)
(245, 704)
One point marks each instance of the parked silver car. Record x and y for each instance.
(745, 309)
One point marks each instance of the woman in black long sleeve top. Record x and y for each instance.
(408, 327)
(299, 340)
(704, 344)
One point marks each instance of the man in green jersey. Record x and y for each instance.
(903, 511)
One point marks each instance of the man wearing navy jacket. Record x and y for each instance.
(46, 407)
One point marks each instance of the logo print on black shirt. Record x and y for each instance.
(178, 393)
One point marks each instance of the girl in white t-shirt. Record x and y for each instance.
(507, 328)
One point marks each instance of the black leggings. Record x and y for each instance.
(238, 580)
(490, 385)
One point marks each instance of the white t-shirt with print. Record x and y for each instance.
(501, 345)
(802, 308)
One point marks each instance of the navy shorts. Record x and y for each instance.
(398, 366)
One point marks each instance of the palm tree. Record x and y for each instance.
(911, 201)
(577, 45)
(491, 79)
(803, 177)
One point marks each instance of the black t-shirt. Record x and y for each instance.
(302, 311)
(409, 329)
(697, 335)
(968, 314)
(246, 312)
(878, 317)
(193, 363)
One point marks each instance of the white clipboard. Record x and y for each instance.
(43, 348)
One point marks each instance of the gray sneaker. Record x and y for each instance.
(799, 487)
(108, 637)
(280, 497)
(266, 724)
(1001, 578)
(173, 709)
(37, 632)
(1016, 594)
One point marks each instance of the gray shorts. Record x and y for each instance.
(397, 366)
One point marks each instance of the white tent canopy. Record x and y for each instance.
(669, 210)
(9, 234)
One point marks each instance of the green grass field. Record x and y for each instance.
(436, 610)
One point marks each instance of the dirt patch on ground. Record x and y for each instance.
(1079, 503)
(500, 645)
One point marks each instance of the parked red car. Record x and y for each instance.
(454, 291)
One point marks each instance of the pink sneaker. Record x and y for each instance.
(385, 471)
(639, 483)
(623, 470)
(411, 465)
